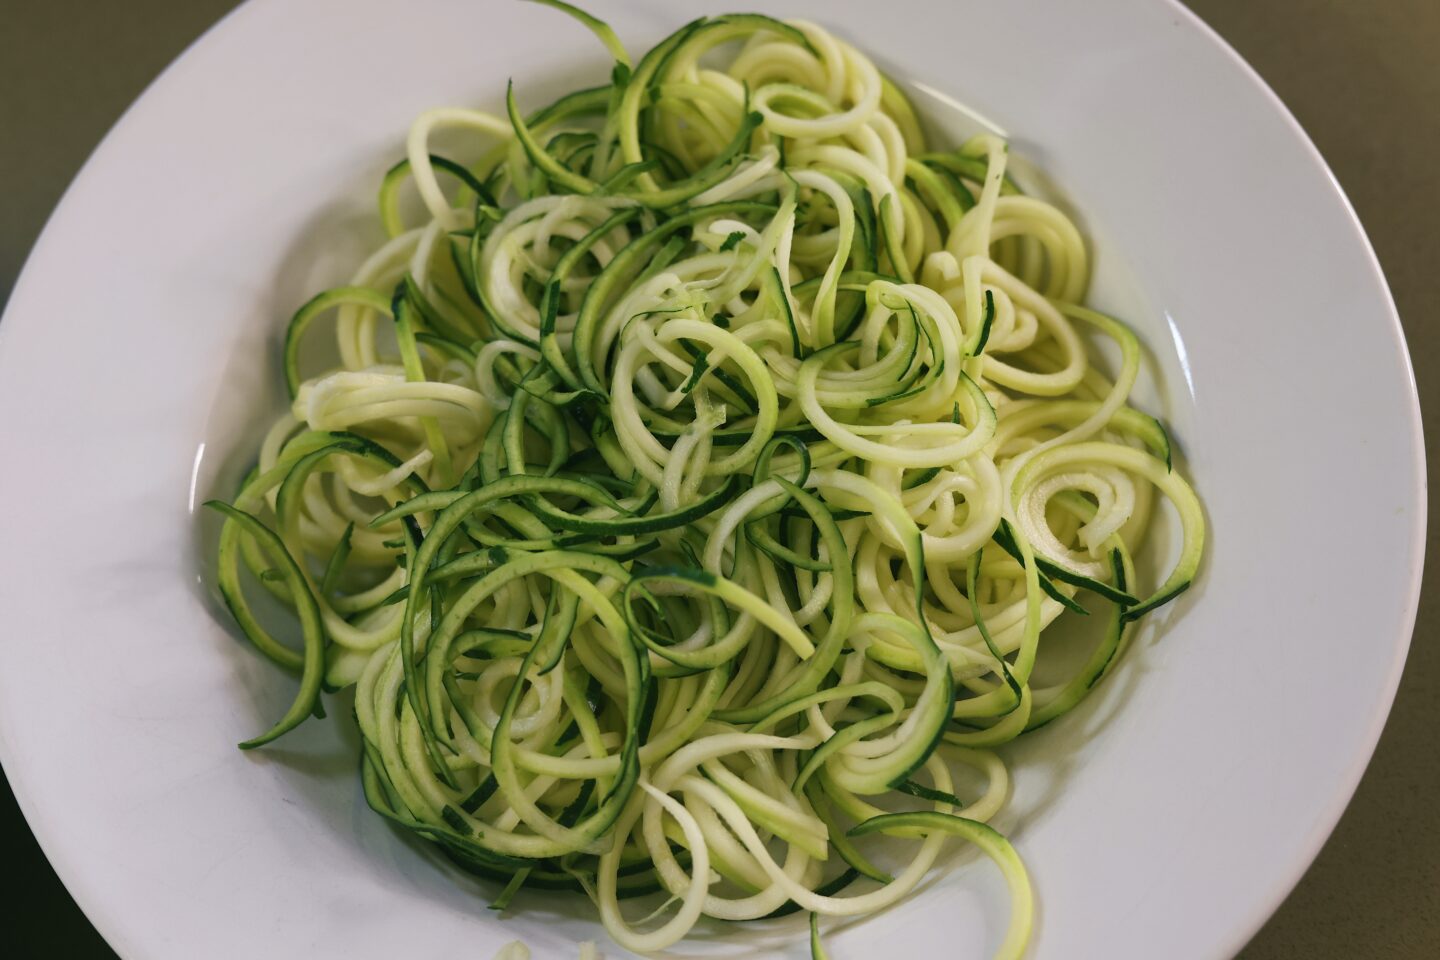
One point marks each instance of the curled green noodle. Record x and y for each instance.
(697, 485)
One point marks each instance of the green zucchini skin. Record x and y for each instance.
(705, 463)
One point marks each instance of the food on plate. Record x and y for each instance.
(705, 464)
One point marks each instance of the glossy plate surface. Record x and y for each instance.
(139, 360)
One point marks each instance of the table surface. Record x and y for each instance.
(1363, 81)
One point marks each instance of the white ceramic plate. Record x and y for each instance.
(1167, 818)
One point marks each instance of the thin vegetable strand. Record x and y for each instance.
(706, 462)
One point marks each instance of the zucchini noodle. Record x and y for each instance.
(705, 461)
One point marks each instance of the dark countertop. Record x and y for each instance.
(1363, 79)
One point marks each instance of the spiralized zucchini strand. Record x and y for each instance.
(707, 460)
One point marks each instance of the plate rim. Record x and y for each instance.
(1355, 772)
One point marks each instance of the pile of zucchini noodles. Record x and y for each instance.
(696, 484)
